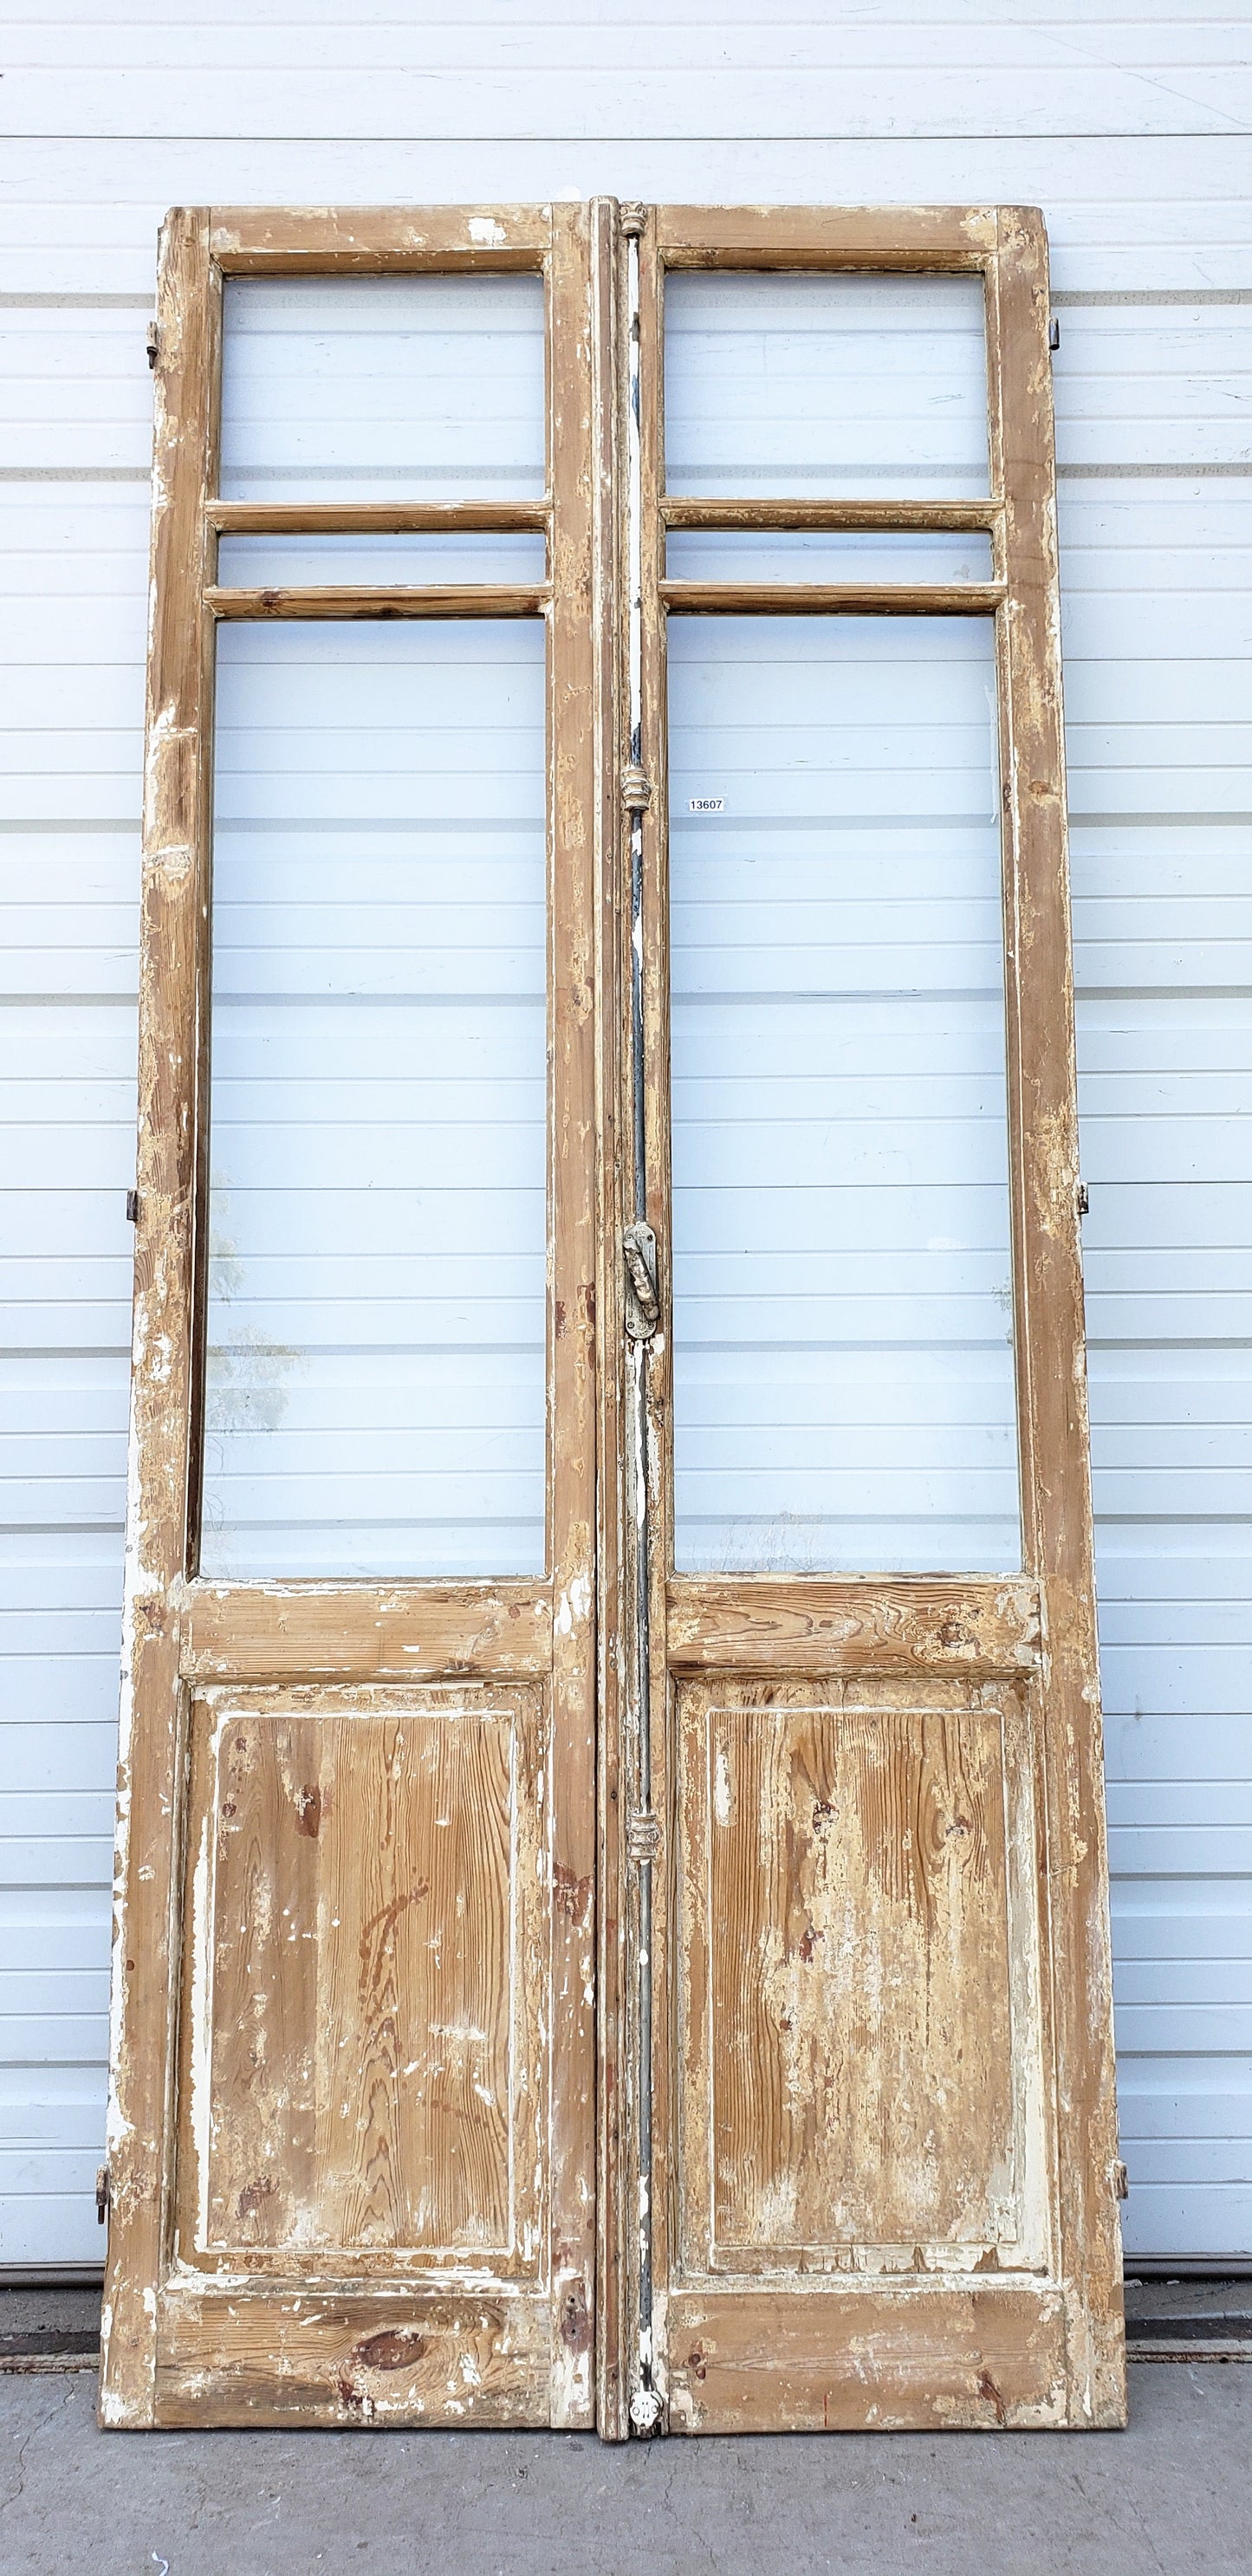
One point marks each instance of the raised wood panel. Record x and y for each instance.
(362, 2064)
(861, 2079)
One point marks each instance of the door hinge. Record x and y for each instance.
(642, 1301)
(1084, 1199)
(154, 344)
(1121, 2181)
(132, 1207)
(643, 1837)
(103, 2194)
(1054, 333)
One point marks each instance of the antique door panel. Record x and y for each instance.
(879, 2147)
(352, 2149)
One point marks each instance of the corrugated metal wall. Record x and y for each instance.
(1126, 121)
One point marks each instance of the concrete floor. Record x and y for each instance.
(1169, 2497)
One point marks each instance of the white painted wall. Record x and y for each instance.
(1127, 121)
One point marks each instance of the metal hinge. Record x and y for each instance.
(643, 1837)
(1084, 1199)
(132, 1207)
(1054, 333)
(1121, 2181)
(154, 344)
(102, 2193)
(642, 1301)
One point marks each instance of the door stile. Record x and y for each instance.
(147, 1874)
(1055, 1443)
(615, 2232)
(654, 2044)
(577, 362)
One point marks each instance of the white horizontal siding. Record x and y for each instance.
(1129, 129)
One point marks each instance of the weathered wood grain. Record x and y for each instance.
(930, 2355)
(374, 1906)
(575, 756)
(148, 1857)
(951, 2068)
(683, 511)
(825, 1623)
(258, 241)
(1053, 1414)
(381, 518)
(434, 599)
(365, 1632)
(830, 237)
(859, 2061)
(363, 2070)
(828, 599)
(350, 2358)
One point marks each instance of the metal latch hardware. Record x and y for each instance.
(102, 2193)
(636, 788)
(643, 1838)
(642, 1302)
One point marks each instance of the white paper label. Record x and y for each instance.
(707, 805)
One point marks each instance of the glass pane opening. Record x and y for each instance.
(829, 555)
(844, 1392)
(374, 1396)
(361, 562)
(398, 388)
(821, 384)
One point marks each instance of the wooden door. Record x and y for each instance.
(351, 2157)
(609, 1611)
(873, 2138)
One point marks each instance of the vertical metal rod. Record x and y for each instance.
(645, 2405)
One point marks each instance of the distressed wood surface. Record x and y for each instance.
(433, 599)
(271, 1631)
(575, 754)
(258, 241)
(679, 511)
(147, 1853)
(1053, 1413)
(348, 2359)
(830, 237)
(379, 518)
(615, 2230)
(827, 1623)
(828, 599)
(363, 2070)
(888, 1701)
(378, 1905)
(930, 2356)
(902, 2031)
(859, 2048)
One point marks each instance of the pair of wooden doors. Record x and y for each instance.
(612, 1902)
